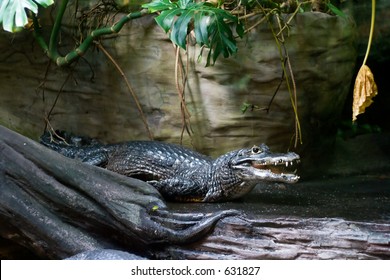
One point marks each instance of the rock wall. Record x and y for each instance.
(322, 53)
(94, 100)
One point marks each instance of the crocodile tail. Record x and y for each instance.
(86, 149)
(63, 138)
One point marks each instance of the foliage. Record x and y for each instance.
(212, 25)
(13, 12)
(365, 87)
(335, 10)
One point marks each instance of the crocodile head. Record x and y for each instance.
(239, 171)
(259, 164)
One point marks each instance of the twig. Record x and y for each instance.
(286, 25)
(284, 53)
(293, 93)
(373, 4)
(295, 101)
(130, 89)
(180, 90)
(265, 17)
(52, 131)
(47, 117)
(276, 90)
(52, 51)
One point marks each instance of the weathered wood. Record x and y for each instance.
(286, 238)
(57, 207)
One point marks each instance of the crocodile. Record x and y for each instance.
(179, 173)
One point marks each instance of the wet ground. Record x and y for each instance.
(338, 193)
(355, 198)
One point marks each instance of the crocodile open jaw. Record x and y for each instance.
(269, 167)
(280, 168)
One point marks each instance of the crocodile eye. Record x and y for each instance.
(256, 150)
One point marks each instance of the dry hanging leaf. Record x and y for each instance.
(364, 90)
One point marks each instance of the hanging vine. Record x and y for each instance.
(215, 25)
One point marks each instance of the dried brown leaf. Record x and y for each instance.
(364, 90)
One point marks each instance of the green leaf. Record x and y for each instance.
(244, 107)
(165, 19)
(213, 26)
(45, 3)
(184, 3)
(336, 10)
(179, 30)
(222, 40)
(240, 30)
(159, 5)
(202, 21)
(13, 14)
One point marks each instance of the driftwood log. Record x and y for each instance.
(58, 207)
(286, 238)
